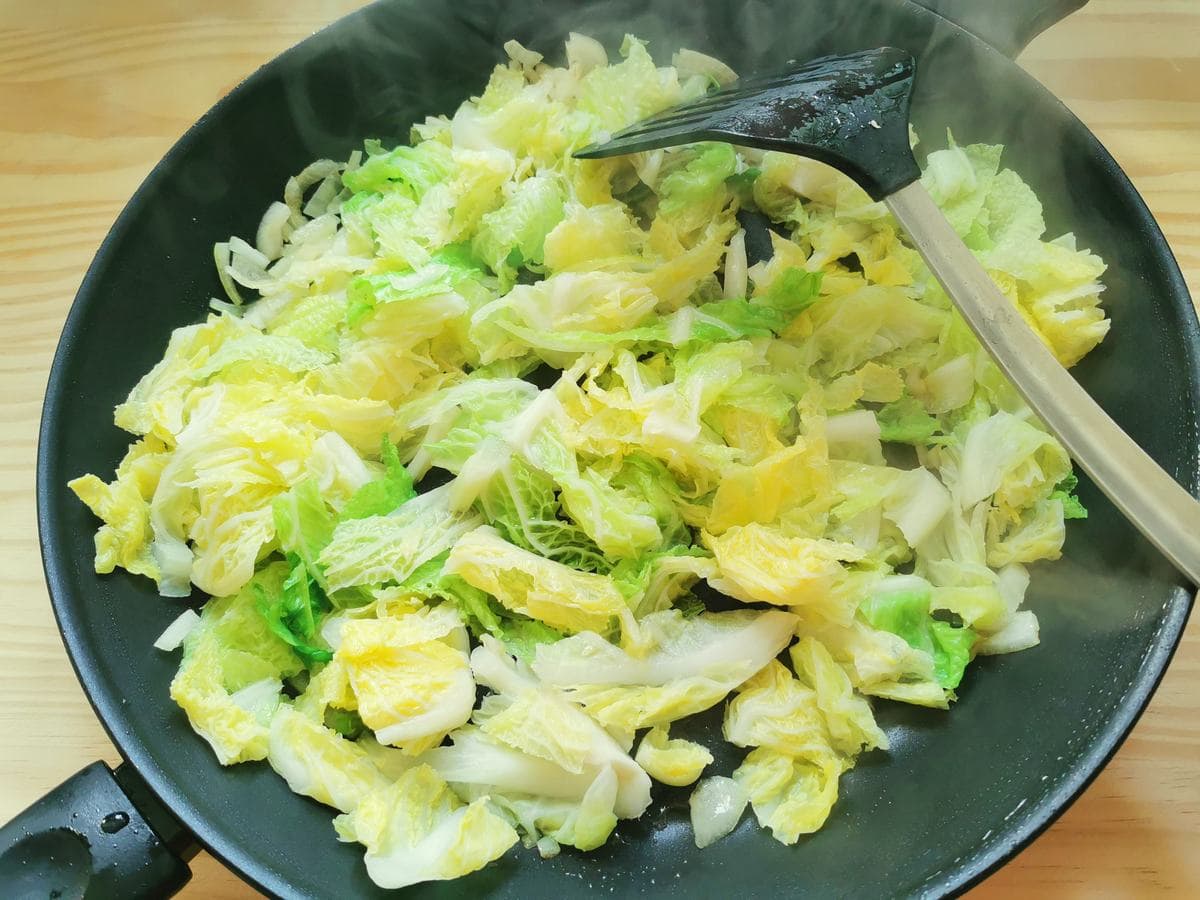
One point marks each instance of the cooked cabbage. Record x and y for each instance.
(483, 430)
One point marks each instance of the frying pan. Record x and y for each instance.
(956, 795)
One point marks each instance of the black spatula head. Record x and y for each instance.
(849, 111)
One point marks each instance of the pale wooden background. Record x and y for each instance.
(92, 94)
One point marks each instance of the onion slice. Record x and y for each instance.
(177, 631)
(717, 805)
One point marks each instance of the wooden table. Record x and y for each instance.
(92, 95)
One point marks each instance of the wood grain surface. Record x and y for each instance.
(92, 95)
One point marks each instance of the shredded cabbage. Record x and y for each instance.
(482, 429)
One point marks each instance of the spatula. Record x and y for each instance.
(852, 113)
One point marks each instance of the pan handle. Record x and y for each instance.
(98, 834)
(1008, 25)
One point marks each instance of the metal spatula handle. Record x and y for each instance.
(1157, 506)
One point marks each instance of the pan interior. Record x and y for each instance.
(958, 791)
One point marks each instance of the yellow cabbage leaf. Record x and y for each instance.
(534, 586)
(410, 675)
(672, 761)
(761, 564)
(124, 506)
(417, 830)
(318, 762)
(790, 795)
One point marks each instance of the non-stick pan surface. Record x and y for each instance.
(959, 792)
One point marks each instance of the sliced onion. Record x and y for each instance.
(690, 62)
(647, 164)
(680, 323)
(247, 266)
(852, 427)
(221, 257)
(240, 249)
(260, 699)
(318, 203)
(951, 386)
(316, 236)
(273, 230)
(175, 633)
(1020, 633)
(1012, 581)
(223, 306)
(297, 185)
(735, 267)
(717, 805)
(916, 504)
(547, 847)
(585, 53)
(262, 313)
(521, 55)
(331, 631)
(814, 180)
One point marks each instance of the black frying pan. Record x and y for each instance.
(957, 795)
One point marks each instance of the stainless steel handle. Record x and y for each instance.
(1157, 506)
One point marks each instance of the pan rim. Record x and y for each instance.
(116, 719)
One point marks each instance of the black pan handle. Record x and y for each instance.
(100, 834)
(1008, 25)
